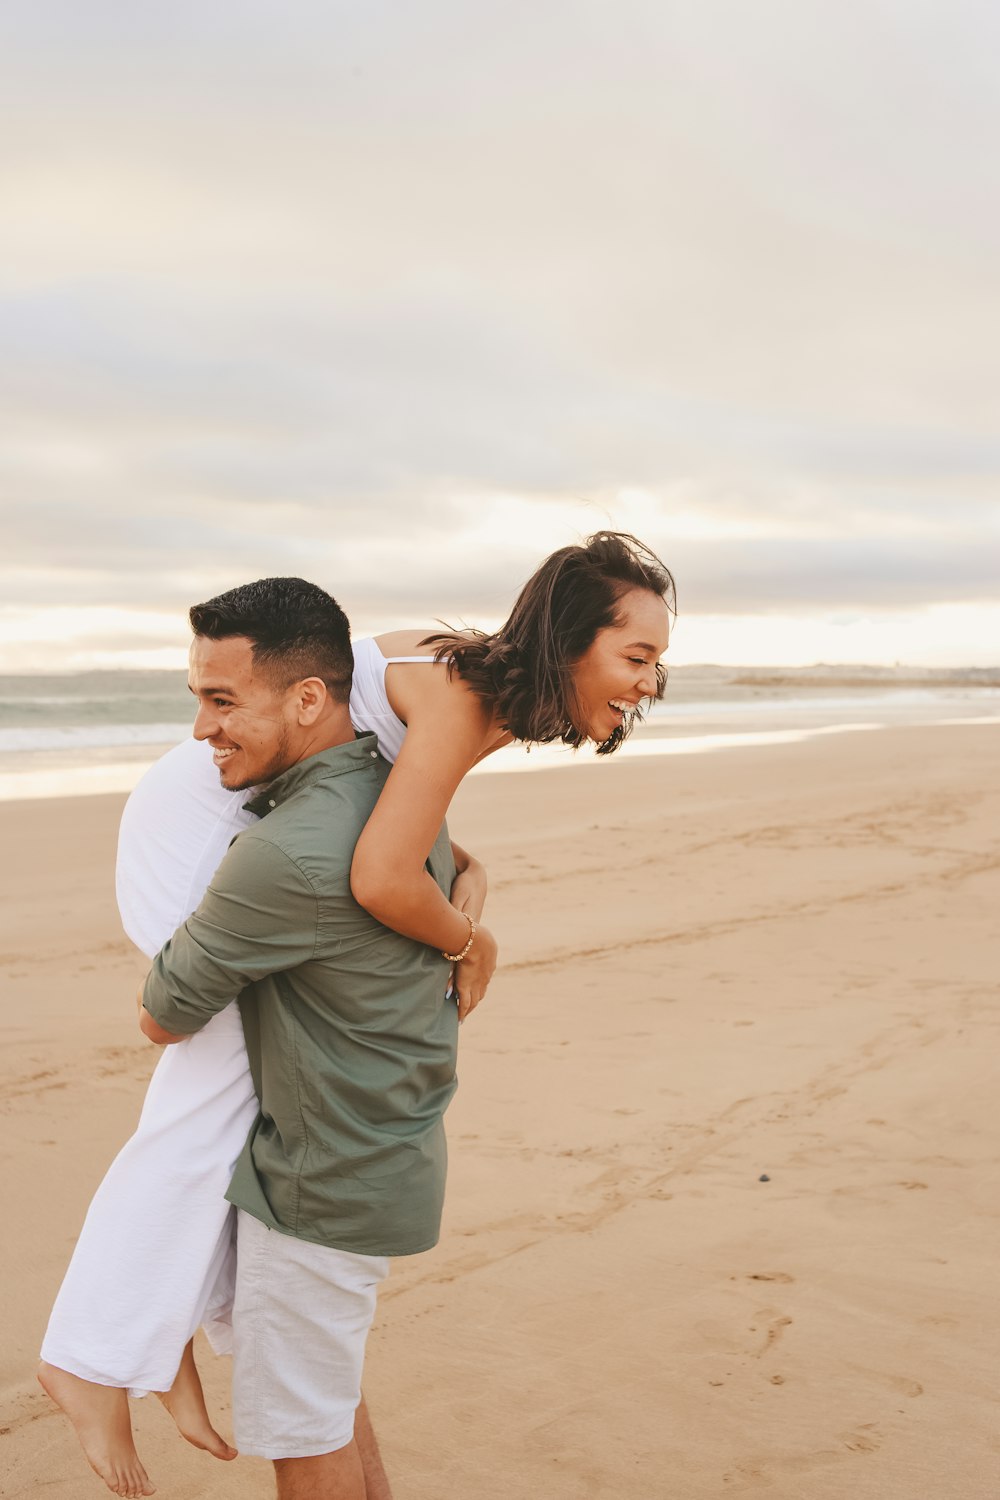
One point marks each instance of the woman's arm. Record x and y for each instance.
(447, 729)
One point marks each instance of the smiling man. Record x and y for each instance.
(325, 1127)
(245, 708)
(350, 1036)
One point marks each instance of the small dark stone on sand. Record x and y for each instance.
(763, 1177)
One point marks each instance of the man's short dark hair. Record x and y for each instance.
(298, 630)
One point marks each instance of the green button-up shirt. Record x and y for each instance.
(351, 1040)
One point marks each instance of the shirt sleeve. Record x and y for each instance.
(258, 917)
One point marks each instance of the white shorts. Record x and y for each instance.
(300, 1323)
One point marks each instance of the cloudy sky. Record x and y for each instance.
(400, 297)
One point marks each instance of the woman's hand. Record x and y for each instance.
(468, 890)
(468, 894)
(473, 974)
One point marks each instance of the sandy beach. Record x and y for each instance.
(722, 1212)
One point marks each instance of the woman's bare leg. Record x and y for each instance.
(100, 1415)
(185, 1401)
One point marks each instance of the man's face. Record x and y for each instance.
(246, 721)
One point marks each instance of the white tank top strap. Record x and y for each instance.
(389, 660)
(370, 707)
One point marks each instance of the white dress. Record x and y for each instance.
(155, 1258)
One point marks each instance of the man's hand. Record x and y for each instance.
(473, 974)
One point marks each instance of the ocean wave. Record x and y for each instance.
(91, 736)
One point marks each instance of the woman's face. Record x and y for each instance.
(618, 669)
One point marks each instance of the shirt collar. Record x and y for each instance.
(360, 751)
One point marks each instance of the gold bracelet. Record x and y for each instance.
(456, 958)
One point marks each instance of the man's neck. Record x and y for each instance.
(327, 736)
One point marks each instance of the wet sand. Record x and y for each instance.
(769, 963)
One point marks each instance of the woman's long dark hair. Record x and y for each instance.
(524, 669)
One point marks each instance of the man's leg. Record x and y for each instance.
(376, 1479)
(300, 1320)
(329, 1476)
(352, 1473)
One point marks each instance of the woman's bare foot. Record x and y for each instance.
(101, 1417)
(185, 1401)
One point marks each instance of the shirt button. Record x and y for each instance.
(373, 754)
(271, 802)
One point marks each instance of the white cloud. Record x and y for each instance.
(407, 296)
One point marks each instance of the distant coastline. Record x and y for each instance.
(821, 676)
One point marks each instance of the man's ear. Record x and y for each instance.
(313, 696)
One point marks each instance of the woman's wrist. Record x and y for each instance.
(455, 958)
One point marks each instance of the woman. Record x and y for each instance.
(574, 662)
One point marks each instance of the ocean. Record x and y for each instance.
(95, 732)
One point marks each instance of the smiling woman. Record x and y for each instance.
(621, 668)
(580, 650)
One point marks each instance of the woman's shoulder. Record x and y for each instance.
(406, 642)
(436, 695)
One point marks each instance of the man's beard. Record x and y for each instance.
(276, 765)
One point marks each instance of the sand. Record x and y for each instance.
(766, 963)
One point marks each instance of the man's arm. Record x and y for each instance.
(155, 1033)
(150, 1028)
(258, 917)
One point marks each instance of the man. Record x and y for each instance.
(350, 1036)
